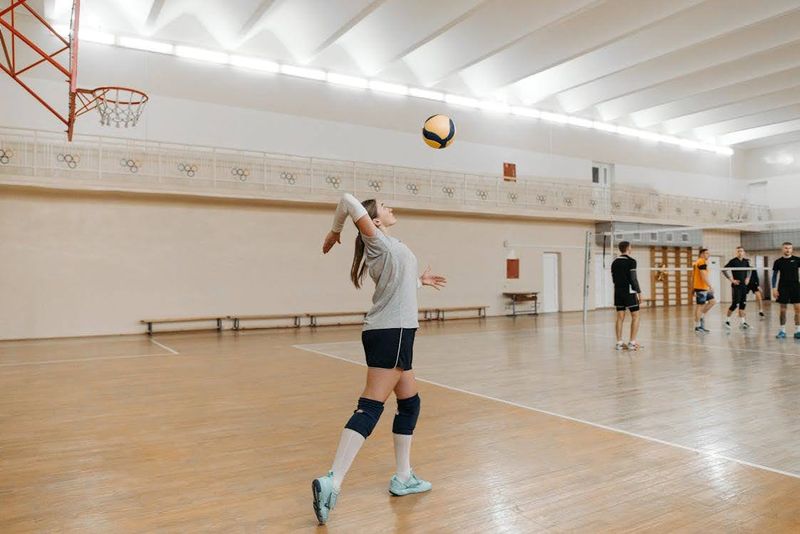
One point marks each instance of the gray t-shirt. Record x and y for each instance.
(393, 268)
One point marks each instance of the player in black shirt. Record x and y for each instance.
(786, 287)
(626, 294)
(739, 281)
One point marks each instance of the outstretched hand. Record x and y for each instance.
(433, 280)
(331, 239)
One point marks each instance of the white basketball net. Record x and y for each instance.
(119, 106)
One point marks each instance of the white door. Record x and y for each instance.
(604, 287)
(550, 282)
(602, 174)
(714, 277)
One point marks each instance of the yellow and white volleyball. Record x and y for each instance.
(438, 131)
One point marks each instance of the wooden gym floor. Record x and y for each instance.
(533, 424)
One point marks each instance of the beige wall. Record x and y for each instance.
(82, 263)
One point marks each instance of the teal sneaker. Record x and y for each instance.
(781, 335)
(797, 335)
(412, 485)
(324, 496)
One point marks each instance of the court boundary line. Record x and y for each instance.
(575, 419)
(173, 351)
(92, 359)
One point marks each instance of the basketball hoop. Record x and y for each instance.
(119, 106)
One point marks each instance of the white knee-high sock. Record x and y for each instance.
(349, 445)
(402, 454)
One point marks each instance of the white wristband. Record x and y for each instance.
(348, 205)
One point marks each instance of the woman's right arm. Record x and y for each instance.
(348, 206)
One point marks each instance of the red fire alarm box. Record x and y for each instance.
(509, 172)
(512, 268)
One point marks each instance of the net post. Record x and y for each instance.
(587, 261)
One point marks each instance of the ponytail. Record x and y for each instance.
(359, 267)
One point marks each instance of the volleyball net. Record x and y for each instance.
(665, 255)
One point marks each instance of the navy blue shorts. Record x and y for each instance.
(389, 348)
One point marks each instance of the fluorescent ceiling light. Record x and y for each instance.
(86, 34)
(255, 63)
(497, 107)
(689, 144)
(384, 87)
(146, 45)
(583, 123)
(348, 81)
(649, 136)
(525, 112)
(302, 72)
(724, 150)
(424, 93)
(630, 132)
(94, 36)
(672, 140)
(605, 127)
(200, 54)
(554, 117)
(461, 101)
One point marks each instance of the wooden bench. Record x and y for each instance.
(517, 297)
(429, 314)
(238, 318)
(314, 316)
(151, 322)
(440, 312)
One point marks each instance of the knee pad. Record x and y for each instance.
(405, 420)
(365, 417)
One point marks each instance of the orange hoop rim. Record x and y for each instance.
(100, 93)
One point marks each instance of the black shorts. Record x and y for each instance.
(789, 295)
(738, 297)
(626, 301)
(388, 348)
(753, 287)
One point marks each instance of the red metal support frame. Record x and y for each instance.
(11, 66)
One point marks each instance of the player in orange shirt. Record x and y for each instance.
(703, 292)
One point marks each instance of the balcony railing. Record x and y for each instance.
(44, 158)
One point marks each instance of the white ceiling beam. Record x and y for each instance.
(714, 131)
(436, 33)
(765, 35)
(744, 108)
(155, 11)
(346, 27)
(584, 31)
(761, 132)
(702, 90)
(258, 16)
(484, 32)
(692, 26)
(776, 140)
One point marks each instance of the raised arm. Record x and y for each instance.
(349, 206)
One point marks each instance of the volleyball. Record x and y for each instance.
(438, 131)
